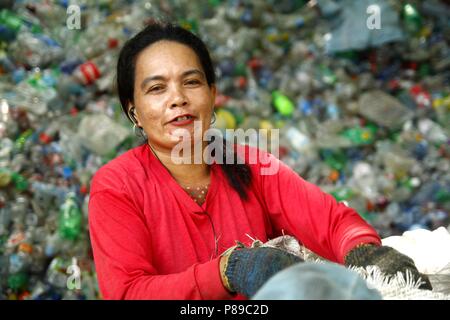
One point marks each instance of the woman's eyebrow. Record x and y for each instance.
(183, 75)
(191, 72)
(149, 79)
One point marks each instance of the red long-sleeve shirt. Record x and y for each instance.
(150, 240)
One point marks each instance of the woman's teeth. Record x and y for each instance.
(183, 118)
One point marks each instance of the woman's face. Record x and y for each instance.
(170, 82)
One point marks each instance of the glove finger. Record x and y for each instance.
(426, 284)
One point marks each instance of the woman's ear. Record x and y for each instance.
(130, 111)
(133, 115)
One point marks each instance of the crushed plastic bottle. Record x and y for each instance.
(376, 105)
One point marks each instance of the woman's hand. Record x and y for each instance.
(245, 270)
(389, 260)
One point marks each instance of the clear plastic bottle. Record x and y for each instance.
(36, 50)
(375, 105)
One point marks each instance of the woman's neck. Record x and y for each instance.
(184, 173)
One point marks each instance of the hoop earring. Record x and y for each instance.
(140, 133)
(214, 118)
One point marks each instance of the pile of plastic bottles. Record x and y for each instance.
(362, 112)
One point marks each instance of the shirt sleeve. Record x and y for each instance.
(122, 252)
(301, 209)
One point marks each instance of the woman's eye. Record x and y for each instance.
(192, 82)
(155, 88)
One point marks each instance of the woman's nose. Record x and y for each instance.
(178, 98)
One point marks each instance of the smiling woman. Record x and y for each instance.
(172, 87)
(161, 229)
(165, 73)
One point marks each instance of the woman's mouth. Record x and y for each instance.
(182, 120)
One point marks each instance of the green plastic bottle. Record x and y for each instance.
(70, 218)
(282, 103)
(443, 196)
(342, 194)
(10, 20)
(214, 3)
(190, 24)
(327, 75)
(336, 159)
(361, 135)
(20, 182)
(17, 281)
(411, 18)
(22, 139)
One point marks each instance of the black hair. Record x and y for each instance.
(239, 175)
